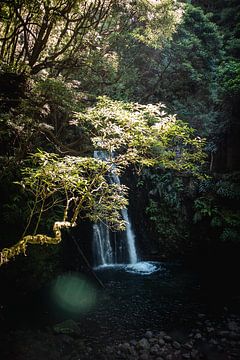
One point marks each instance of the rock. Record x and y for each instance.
(198, 336)
(234, 336)
(144, 356)
(109, 350)
(143, 344)
(186, 356)
(133, 342)
(201, 316)
(188, 346)
(177, 353)
(153, 340)
(223, 333)
(68, 327)
(161, 342)
(155, 350)
(169, 357)
(223, 340)
(195, 354)
(213, 342)
(210, 329)
(126, 347)
(149, 334)
(162, 334)
(233, 326)
(167, 338)
(65, 339)
(176, 345)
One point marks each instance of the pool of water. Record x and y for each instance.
(147, 295)
(135, 298)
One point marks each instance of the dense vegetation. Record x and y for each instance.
(80, 76)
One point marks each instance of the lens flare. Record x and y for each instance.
(74, 293)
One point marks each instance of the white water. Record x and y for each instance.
(103, 248)
(107, 249)
(140, 268)
(130, 238)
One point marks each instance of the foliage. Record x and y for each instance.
(166, 209)
(143, 134)
(127, 133)
(229, 74)
(219, 206)
(182, 73)
(57, 35)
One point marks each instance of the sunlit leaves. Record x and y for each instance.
(142, 134)
(82, 184)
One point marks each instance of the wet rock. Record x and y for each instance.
(176, 345)
(234, 336)
(233, 326)
(144, 356)
(201, 316)
(161, 342)
(223, 333)
(126, 347)
(155, 350)
(133, 342)
(198, 336)
(194, 354)
(186, 356)
(66, 339)
(213, 342)
(68, 327)
(148, 334)
(109, 350)
(153, 340)
(167, 338)
(162, 334)
(210, 329)
(188, 346)
(143, 344)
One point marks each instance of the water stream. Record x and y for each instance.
(111, 248)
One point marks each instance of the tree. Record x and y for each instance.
(59, 34)
(144, 135)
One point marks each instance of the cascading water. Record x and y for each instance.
(110, 248)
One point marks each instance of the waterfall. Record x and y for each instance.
(111, 248)
(130, 238)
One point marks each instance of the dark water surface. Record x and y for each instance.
(131, 303)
